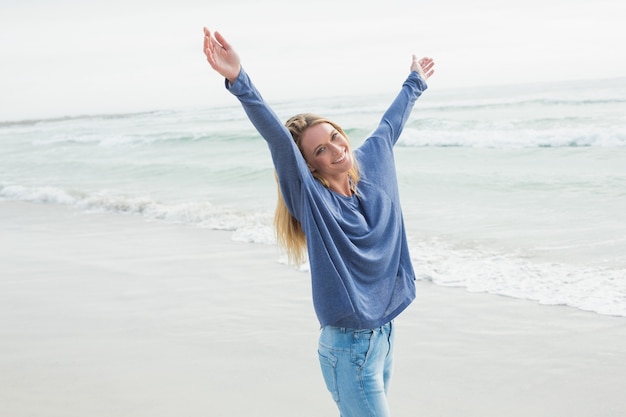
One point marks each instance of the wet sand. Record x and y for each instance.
(104, 314)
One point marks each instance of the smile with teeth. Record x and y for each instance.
(341, 158)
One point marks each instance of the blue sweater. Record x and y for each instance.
(361, 272)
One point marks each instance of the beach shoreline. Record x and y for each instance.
(108, 314)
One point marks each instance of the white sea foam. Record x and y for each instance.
(598, 289)
(254, 227)
(512, 135)
(37, 195)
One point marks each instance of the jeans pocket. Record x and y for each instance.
(328, 363)
(362, 347)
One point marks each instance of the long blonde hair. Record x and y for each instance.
(289, 233)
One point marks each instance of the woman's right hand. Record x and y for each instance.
(221, 56)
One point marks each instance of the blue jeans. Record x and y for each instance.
(357, 365)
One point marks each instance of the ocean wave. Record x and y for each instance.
(254, 227)
(84, 117)
(455, 135)
(508, 103)
(590, 288)
(113, 139)
(146, 128)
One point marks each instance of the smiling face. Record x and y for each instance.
(327, 152)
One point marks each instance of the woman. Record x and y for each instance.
(341, 206)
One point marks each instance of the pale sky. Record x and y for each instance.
(70, 57)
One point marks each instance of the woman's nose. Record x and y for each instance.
(335, 148)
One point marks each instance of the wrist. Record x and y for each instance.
(233, 76)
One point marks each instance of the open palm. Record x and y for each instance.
(423, 66)
(221, 55)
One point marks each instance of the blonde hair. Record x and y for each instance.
(289, 233)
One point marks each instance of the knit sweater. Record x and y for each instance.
(361, 271)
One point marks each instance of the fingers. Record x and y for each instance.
(221, 41)
(221, 56)
(426, 62)
(427, 65)
(424, 66)
(211, 43)
(208, 44)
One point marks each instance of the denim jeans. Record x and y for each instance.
(356, 365)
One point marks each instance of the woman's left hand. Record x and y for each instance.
(424, 67)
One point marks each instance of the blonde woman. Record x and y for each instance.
(341, 207)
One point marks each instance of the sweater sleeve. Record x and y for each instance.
(393, 120)
(288, 161)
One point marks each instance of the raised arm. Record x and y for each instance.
(288, 161)
(397, 114)
(224, 60)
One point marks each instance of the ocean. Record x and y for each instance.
(515, 190)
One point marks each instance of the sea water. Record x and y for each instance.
(512, 190)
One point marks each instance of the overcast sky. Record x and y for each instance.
(69, 57)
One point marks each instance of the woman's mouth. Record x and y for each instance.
(341, 158)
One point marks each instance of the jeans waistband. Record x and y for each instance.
(386, 326)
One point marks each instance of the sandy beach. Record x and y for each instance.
(112, 315)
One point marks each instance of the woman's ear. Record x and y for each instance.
(310, 167)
